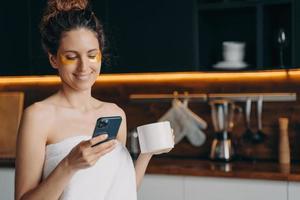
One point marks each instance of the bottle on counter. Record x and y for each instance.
(283, 146)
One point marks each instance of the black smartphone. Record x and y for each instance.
(107, 125)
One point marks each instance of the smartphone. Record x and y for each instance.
(107, 125)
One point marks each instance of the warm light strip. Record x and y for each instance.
(161, 77)
(29, 80)
(152, 77)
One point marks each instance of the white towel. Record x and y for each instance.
(111, 178)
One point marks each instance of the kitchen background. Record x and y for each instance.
(184, 39)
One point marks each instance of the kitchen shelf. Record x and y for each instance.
(238, 4)
(256, 23)
(225, 5)
(240, 97)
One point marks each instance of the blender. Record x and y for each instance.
(222, 113)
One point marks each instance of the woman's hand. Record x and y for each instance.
(84, 155)
(162, 151)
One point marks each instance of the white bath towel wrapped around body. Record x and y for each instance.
(111, 178)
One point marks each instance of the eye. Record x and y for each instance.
(92, 56)
(69, 57)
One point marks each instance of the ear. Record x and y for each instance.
(53, 60)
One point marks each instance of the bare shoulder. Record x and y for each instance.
(114, 109)
(110, 108)
(39, 111)
(37, 119)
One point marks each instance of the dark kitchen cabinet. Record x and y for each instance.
(153, 36)
(255, 22)
(158, 36)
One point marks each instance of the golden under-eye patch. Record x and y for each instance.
(66, 61)
(96, 58)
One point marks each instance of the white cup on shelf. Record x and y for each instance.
(233, 52)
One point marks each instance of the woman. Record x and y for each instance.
(55, 159)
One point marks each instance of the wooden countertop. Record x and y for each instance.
(235, 169)
(205, 168)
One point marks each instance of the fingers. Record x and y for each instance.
(95, 149)
(163, 151)
(84, 155)
(103, 146)
(97, 139)
(100, 150)
(89, 155)
(91, 146)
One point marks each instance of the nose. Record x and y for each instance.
(83, 64)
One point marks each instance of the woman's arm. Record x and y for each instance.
(30, 158)
(31, 153)
(140, 167)
(51, 188)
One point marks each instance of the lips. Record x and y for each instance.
(82, 77)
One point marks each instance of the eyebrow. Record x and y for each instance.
(92, 50)
(71, 51)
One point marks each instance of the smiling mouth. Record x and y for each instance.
(82, 77)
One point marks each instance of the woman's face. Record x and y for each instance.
(78, 59)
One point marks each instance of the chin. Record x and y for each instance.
(84, 84)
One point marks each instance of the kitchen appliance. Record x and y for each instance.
(223, 115)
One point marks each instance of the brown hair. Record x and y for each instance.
(56, 6)
(64, 15)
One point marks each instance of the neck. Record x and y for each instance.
(80, 100)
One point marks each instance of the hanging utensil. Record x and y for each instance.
(248, 134)
(282, 42)
(259, 136)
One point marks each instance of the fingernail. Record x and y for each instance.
(105, 135)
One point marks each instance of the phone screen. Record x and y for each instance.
(107, 125)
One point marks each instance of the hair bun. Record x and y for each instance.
(66, 5)
(56, 6)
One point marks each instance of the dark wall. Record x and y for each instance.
(14, 26)
(143, 36)
(153, 35)
(161, 35)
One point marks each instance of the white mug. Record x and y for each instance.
(155, 137)
(233, 51)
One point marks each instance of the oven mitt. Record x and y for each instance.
(193, 133)
(185, 123)
(192, 125)
(174, 116)
(191, 115)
